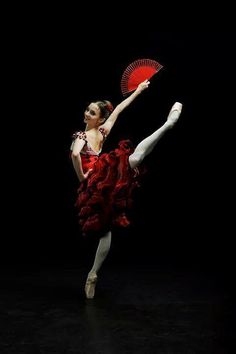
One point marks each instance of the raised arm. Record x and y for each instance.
(121, 106)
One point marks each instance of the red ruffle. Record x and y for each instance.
(106, 196)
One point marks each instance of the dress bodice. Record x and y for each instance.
(87, 148)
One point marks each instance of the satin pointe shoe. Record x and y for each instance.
(90, 286)
(174, 113)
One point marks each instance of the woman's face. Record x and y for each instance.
(92, 115)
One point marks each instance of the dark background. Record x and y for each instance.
(182, 215)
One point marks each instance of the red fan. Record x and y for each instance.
(137, 72)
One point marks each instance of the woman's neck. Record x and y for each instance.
(88, 128)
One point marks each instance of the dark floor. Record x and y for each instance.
(136, 310)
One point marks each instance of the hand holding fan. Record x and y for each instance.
(137, 72)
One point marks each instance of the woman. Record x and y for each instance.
(108, 180)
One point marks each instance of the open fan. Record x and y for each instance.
(137, 72)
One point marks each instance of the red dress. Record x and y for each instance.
(105, 197)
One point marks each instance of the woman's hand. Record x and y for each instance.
(85, 175)
(143, 85)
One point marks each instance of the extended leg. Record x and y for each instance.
(146, 146)
(101, 254)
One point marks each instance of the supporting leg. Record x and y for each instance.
(101, 254)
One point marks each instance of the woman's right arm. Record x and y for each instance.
(121, 106)
(76, 159)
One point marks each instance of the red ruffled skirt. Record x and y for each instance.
(106, 196)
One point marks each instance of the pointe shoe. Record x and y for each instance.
(90, 286)
(172, 118)
(177, 106)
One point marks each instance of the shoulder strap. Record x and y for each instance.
(103, 132)
(80, 134)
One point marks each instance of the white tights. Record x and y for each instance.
(102, 252)
(146, 146)
(143, 149)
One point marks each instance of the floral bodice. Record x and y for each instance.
(87, 148)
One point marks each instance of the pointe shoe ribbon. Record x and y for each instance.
(90, 286)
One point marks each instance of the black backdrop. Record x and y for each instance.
(182, 215)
